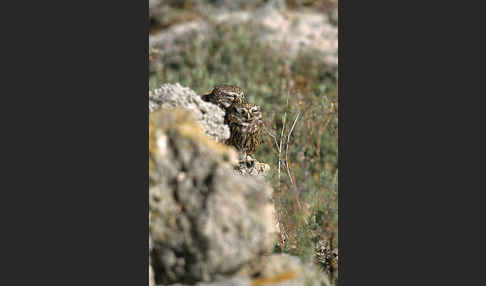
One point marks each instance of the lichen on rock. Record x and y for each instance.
(211, 216)
(209, 116)
(205, 221)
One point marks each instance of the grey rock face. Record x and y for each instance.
(151, 276)
(205, 221)
(210, 116)
(154, 3)
(224, 282)
(284, 266)
(275, 270)
(172, 38)
(290, 31)
(283, 269)
(151, 271)
(296, 31)
(209, 225)
(254, 168)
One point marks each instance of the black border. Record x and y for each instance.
(80, 143)
(79, 124)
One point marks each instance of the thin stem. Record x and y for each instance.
(287, 148)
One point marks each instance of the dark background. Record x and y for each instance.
(75, 184)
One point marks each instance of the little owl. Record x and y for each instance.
(245, 121)
(224, 95)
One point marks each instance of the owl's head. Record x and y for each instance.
(228, 94)
(247, 111)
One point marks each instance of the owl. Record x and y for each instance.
(224, 95)
(245, 121)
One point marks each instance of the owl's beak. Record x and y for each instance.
(248, 116)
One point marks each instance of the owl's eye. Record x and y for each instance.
(241, 110)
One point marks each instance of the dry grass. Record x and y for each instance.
(299, 101)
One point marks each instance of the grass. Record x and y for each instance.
(306, 193)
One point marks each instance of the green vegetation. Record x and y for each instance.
(284, 87)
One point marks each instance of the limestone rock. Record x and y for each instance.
(209, 225)
(295, 31)
(205, 221)
(172, 38)
(151, 271)
(224, 282)
(154, 3)
(253, 168)
(274, 270)
(283, 269)
(286, 31)
(151, 276)
(210, 116)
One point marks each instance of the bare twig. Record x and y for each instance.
(280, 146)
(293, 125)
(287, 149)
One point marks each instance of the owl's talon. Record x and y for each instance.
(248, 161)
(250, 164)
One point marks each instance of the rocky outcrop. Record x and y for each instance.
(252, 168)
(275, 270)
(295, 31)
(283, 269)
(209, 225)
(205, 222)
(151, 270)
(208, 115)
(287, 31)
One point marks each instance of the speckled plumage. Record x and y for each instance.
(245, 121)
(225, 95)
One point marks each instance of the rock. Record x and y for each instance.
(286, 31)
(253, 168)
(154, 3)
(295, 31)
(151, 271)
(209, 225)
(224, 282)
(229, 4)
(173, 38)
(235, 5)
(210, 116)
(278, 5)
(283, 266)
(275, 270)
(283, 269)
(151, 276)
(205, 221)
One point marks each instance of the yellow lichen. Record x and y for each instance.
(182, 122)
(289, 275)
